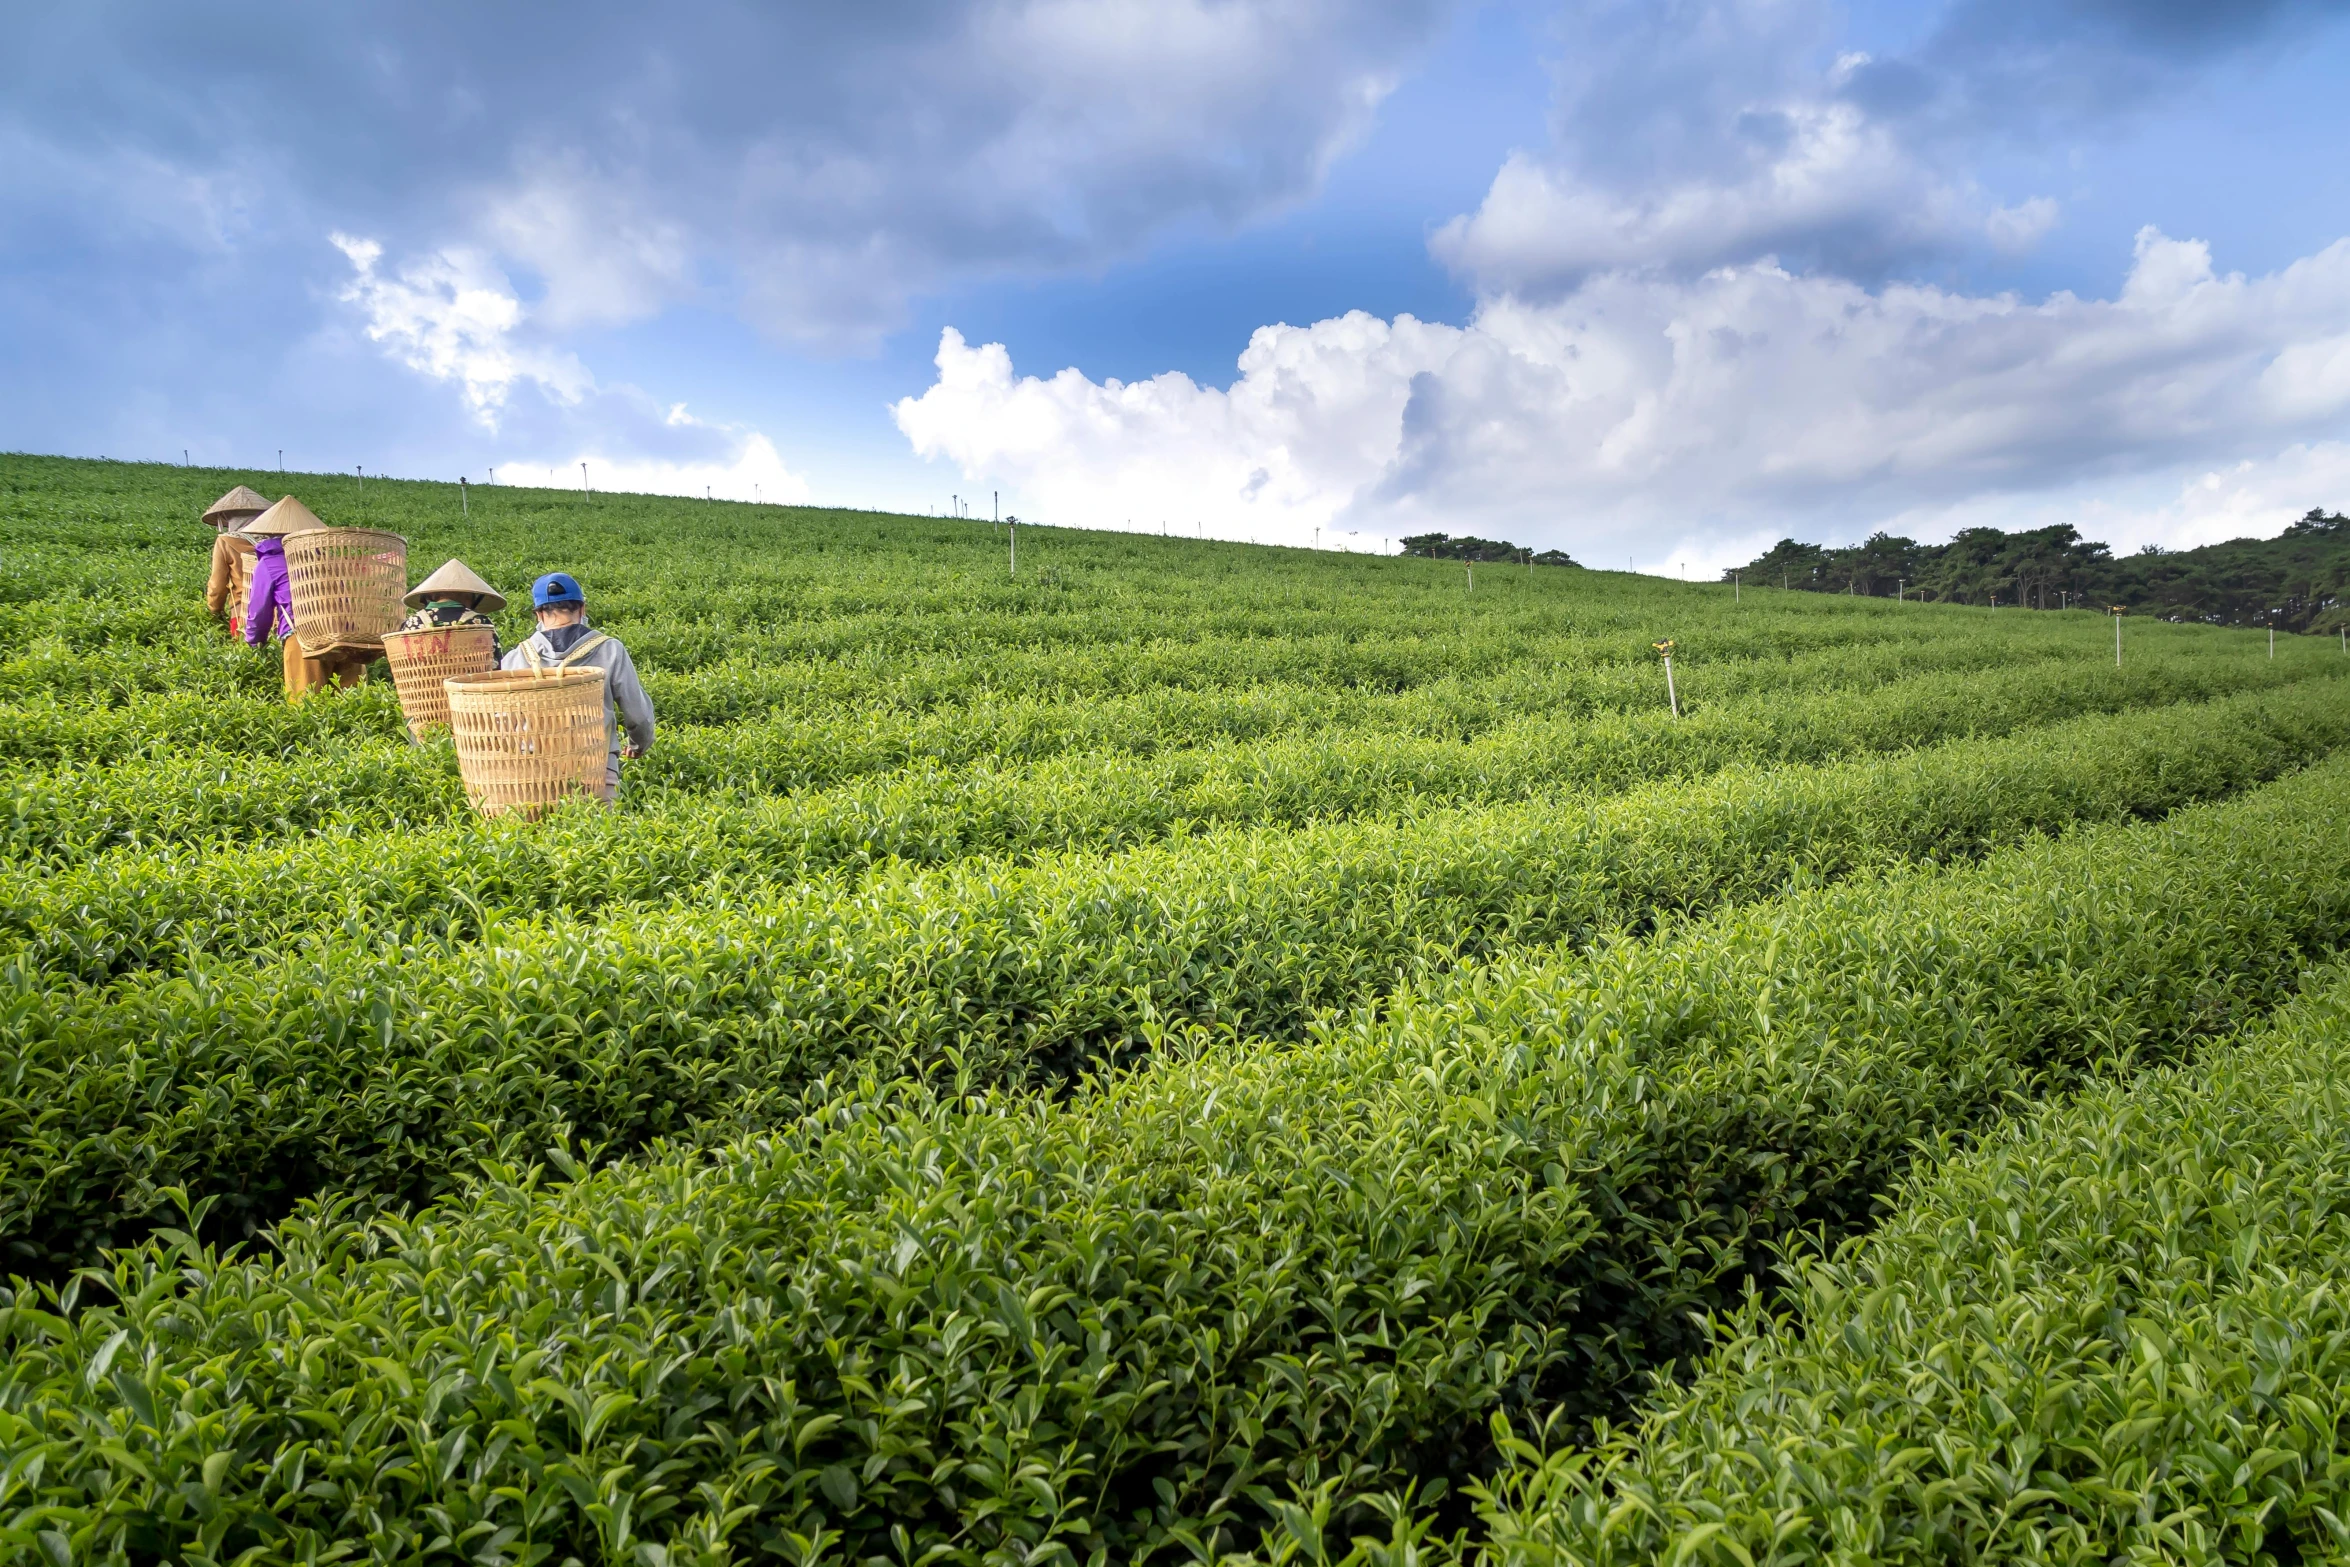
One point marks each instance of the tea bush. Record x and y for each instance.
(382, 1070)
(2118, 1331)
(961, 1326)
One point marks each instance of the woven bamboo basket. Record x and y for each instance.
(528, 741)
(347, 584)
(421, 660)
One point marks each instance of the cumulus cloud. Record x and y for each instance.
(1314, 412)
(1641, 409)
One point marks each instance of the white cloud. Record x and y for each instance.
(2018, 228)
(1641, 412)
(750, 469)
(453, 316)
(1314, 411)
(1826, 179)
(1709, 133)
(601, 260)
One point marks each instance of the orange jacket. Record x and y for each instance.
(232, 579)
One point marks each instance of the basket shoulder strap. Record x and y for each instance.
(580, 650)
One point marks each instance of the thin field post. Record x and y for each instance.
(1672, 696)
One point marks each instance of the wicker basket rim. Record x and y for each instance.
(316, 537)
(553, 679)
(443, 631)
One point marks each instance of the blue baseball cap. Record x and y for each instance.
(556, 587)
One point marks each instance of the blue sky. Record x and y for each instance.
(1648, 282)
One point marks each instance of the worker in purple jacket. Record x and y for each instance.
(270, 611)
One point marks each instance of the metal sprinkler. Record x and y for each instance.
(1672, 697)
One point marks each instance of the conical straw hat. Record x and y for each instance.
(239, 501)
(287, 516)
(453, 578)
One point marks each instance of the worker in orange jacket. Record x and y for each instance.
(231, 585)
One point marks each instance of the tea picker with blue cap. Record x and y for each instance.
(564, 640)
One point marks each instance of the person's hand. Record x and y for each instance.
(631, 752)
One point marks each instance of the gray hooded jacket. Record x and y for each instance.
(625, 703)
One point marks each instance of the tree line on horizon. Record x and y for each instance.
(1443, 546)
(2298, 581)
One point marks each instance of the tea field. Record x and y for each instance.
(1189, 1052)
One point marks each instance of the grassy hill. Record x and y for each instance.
(1142, 1059)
